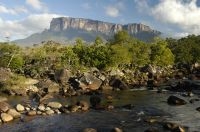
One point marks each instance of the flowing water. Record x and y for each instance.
(146, 104)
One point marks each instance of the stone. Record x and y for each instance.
(55, 105)
(49, 112)
(48, 86)
(75, 108)
(32, 113)
(95, 101)
(57, 111)
(4, 106)
(89, 130)
(88, 81)
(117, 83)
(14, 113)
(116, 129)
(84, 105)
(62, 76)
(6, 117)
(39, 113)
(20, 108)
(41, 107)
(27, 108)
(47, 108)
(152, 130)
(173, 100)
(175, 127)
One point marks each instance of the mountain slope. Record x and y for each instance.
(68, 29)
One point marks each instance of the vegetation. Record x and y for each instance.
(121, 52)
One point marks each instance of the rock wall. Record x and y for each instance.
(64, 23)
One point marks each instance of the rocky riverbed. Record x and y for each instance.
(148, 100)
(132, 111)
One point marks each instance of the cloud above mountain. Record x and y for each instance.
(115, 9)
(23, 28)
(185, 14)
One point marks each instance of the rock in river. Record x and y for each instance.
(55, 105)
(173, 100)
(14, 113)
(6, 117)
(4, 106)
(20, 108)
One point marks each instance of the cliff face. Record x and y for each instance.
(64, 23)
(67, 29)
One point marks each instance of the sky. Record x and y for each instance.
(174, 18)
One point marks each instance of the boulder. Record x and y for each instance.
(88, 81)
(4, 106)
(62, 76)
(89, 130)
(20, 108)
(118, 83)
(6, 117)
(175, 127)
(116, 129)
(48, 86)
(14, 113)
(152, 130)
(173, 100)
(41, 107)
(32, 113)
(55, 105)
(84, 105)
(49, 112)
(95, 101)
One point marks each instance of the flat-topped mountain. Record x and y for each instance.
(68, 29)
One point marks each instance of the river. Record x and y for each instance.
(146, 104)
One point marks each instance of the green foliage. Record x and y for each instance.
(186, 50)
(11, 56)
(161, 55)
(122, 52)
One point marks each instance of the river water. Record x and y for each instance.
(146, 104)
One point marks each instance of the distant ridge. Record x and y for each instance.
(67, 29)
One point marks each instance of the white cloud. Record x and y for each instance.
(36, 4)
(18, 29)
(13, 11)
(184, 14)
(114, 10)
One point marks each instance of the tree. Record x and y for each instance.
(161, 55)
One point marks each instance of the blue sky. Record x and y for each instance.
(177, 18)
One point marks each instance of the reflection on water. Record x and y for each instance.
(146, 103)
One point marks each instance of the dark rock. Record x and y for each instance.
(116, 129)
(194, 100)
(198, 109)
(173, 127)
(95, 101)
(173, 100)
(62, 76)
(128, 106)
(48, 86)
(118, 83)
(152, 130)
(89, 130)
